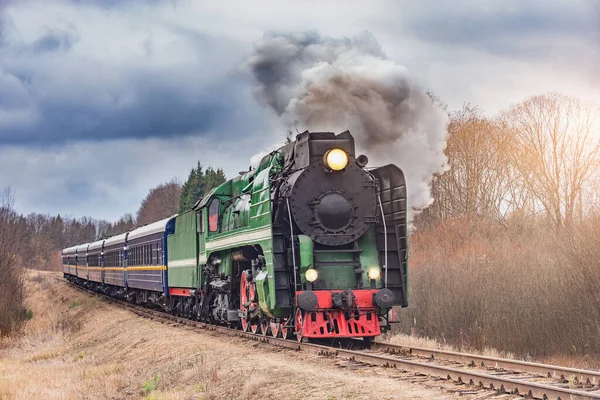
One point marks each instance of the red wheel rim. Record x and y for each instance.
(254, 328)
(285, 331)
(264, 327)
(244, 300)
(252, 291)
(275, 329)
(299, 324)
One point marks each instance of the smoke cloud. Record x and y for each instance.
(326, 84)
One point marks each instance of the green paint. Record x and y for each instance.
(262, 287)
(183, 245)
(369, 257)
(306, 255)
(225, 266)
(335, 276)
(244, 219)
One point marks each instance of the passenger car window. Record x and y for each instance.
(213, 216)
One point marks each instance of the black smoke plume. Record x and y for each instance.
(328, 84)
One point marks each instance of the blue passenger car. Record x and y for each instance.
(146, 256)
(132, 262)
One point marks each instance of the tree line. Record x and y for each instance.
(540, 157)
(507, 255)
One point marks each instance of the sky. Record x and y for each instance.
(102, 100)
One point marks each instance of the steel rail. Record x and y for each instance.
(481, 380)
(551, 371)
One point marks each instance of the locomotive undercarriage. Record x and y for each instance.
(241, 310)
(233, 300)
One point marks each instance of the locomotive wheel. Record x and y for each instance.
(254, 328)
(264, 327)
(275, 329)
(244, 300)
(299, 323)
(286, 331)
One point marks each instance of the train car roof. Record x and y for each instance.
(82, 247)
(70, 250)
(96, 245)
(116, 239)
(155, 227)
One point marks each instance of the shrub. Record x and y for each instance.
(151, 384)
(12, 312)
(518, 287)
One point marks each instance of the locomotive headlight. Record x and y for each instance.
(373, 273)
(336, 159)
(311, 275)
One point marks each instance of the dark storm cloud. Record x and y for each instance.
(108, 179)
(54, 41)
(158, 110)
(54, 87)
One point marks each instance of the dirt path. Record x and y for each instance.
(77, 346)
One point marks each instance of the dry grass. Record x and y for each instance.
(417, 341)
(77, 346)
(50, 261)
(517, 288)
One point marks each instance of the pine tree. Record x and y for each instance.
(199, 183)
(213, 178)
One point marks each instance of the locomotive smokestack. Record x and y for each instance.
(327, 84)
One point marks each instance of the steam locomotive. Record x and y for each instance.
(310, 244)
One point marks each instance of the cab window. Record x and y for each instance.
(213, 216)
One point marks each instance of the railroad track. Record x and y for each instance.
(574, 376)
(520, 378)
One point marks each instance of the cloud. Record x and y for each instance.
(105, 180)
(493, 53)
(504, 27)
(80, 80)
(54, 41)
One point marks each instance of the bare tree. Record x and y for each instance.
(555, 151)
(478, 181)
(11, 281)
(161, 202)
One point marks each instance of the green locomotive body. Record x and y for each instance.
(295, 246)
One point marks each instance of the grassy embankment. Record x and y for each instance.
(78, 346)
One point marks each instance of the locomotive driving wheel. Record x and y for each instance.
(248, 303)
(286, 331)
(264, 327)
(254, 327)
(253, 306)
(275, 328)
(244, 301)
(299, 324)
